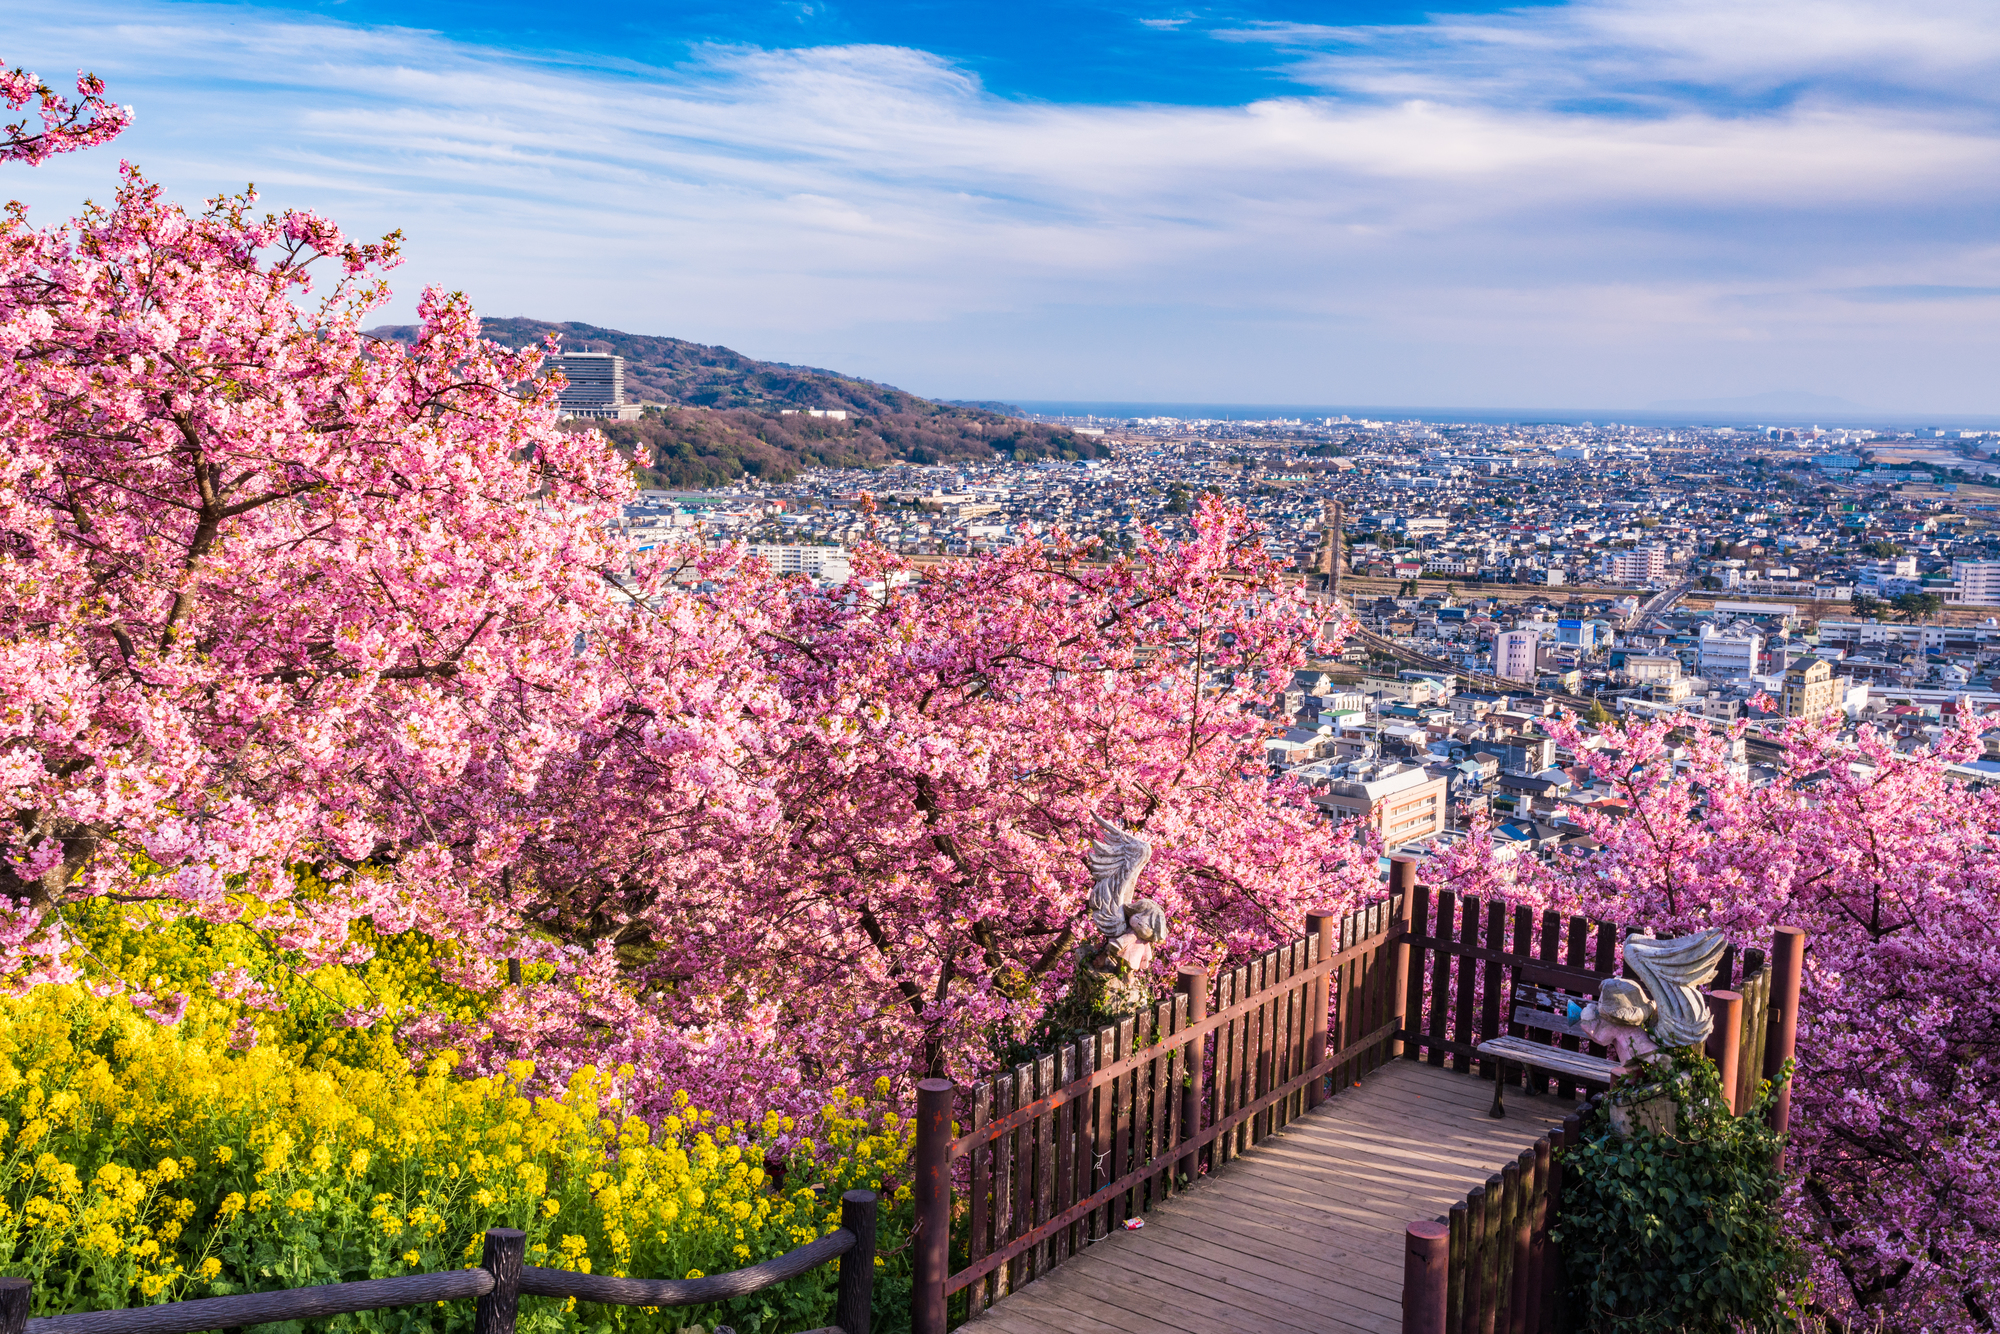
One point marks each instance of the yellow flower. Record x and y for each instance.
(209, 1268)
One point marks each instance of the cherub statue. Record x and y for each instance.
(1130, 927)
(1664, 1008)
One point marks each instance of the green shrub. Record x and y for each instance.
(1678, 1233)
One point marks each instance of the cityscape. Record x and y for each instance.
(894, 668)
(1497, 574)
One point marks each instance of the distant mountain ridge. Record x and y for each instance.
(673, 370)
(725, 416)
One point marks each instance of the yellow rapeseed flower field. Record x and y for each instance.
(146, 1163)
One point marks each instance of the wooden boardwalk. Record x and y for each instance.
(1302, 1234)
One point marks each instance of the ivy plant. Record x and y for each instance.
(1678, 1231)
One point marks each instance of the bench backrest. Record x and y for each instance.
(1551, 999)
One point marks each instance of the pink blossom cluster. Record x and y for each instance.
(66, 126)
(919, 770)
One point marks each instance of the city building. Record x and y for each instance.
(824, 564)
(1645, 667)
(1586, 635)
(1976, 582)
(595, 388)
(1640, 565)
(1811, 690)
(1514, 654)
(1728, 653)
(1403, 801)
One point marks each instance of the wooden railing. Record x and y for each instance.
(1460, 949)
(498, 1285)
(1060, 1151)
(1488, 1265)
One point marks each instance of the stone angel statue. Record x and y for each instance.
(1664, 1008)
(1130, 927)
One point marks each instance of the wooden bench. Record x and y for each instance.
(1543, 1000)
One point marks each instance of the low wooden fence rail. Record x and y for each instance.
(1460, 948)
(500, 1282)
(1488, 1267)
(1059, 1151)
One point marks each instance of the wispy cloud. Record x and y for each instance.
(1597, 203)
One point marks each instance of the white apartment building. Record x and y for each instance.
(824, 564)
(1728, 653)
(1975, 582)
(1640, 565)
(1514, 654)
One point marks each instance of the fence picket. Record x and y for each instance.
(1468, 974)
(1440, 997)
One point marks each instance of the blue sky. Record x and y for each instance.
(1595, 204)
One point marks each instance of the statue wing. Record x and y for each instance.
(1673, 971)
(1115, 862)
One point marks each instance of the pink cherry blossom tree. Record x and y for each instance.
(932, 757)
(1891, 865)
(279, 595)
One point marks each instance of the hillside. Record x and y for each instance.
(724, 414)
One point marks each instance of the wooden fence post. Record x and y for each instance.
(1472, 1288)
(931, 1188)
(1402, 894)
(1725, 1043)
(856, 1299)
(506, 1251)
(1521, 1283)
(1788, 955)
(1321, 926)
(1538, 1237)
(16, 1296)
(1192, 982)
(1426, 1269)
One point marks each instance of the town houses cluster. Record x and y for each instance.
(1499, 574)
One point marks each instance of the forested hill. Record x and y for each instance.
(725, 414)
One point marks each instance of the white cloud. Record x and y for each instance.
(1599, 204)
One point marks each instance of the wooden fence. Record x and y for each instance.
(1061, 1150)
(1460, 949)
(1488, 1266)
(497, 1285)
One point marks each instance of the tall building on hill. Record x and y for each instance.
(596, 387)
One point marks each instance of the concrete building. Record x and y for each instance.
(824, 564)
(1811, 690)
(1586, 635)
(1729, 653)
(1975, 582)
(1640, 565)
(1514, 654)
(596, 387)
(1403, 801)
(1644, 667)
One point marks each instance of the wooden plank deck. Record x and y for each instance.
(1304, 1233)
